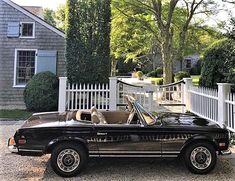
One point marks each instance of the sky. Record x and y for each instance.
(53, 4)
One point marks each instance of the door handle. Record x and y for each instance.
(101, 134)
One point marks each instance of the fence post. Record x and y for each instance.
(62, 94)
(186, 98)
(223, 90)
(113, 93)
(150, 101)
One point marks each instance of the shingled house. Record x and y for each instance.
(28, 45)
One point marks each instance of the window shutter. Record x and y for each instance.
(46, 61)
(13, 29)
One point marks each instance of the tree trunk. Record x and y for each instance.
(113, 67)
(167, 59)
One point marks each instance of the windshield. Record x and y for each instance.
(148, 117)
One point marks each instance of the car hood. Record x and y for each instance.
(185, 119)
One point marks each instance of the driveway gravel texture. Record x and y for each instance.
(15, 167)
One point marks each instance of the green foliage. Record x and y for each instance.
(156, 73)
(41, 92)
(60, 17)
(218, 63)
(125, 68)
(180, 75)
(196, 69)
(88, 40)
(48, 16)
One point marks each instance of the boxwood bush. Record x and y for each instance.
(180, 75)
(41, 92)
(218, 63)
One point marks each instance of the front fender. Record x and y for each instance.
(197, 138)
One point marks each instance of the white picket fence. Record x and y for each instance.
(217, 105)
(204, 101)
(213, 104)
(85, 96)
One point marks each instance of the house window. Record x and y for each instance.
(24, 66)
(27, 30)
(188, 63)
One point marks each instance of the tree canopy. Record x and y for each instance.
(167, 24)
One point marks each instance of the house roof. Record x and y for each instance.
(34, 17)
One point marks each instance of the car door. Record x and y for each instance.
(117, 139)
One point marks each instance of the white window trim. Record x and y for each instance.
(15, 64)
(27, 22)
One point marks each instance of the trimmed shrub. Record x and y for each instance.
(41, 92)
(218, 62)
(139, 74)
(180, 75)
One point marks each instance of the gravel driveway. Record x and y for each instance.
(14, 167)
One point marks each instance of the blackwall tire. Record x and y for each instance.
(200, 158)
(67, 159)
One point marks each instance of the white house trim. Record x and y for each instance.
(37, 19)
(27, 22)
(15, 64)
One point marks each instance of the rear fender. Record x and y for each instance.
(56, 141)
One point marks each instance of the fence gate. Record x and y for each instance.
(170, 94)
(143, 94)
(152, 96)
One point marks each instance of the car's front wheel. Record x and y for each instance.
(67, 160)
(200, 158)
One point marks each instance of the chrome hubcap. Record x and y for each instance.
(200, 158)
(68, 160)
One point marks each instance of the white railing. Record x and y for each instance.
(204, 102)
(230, 106)
(217, 105)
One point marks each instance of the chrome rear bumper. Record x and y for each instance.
(12, 148)
(225, 152)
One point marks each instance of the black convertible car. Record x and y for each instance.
(72, 137)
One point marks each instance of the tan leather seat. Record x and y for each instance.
(97, 117)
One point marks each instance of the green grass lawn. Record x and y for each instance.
(15, 114)
(155, 79)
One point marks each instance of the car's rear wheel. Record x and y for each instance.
(68, 159)
(200, 158)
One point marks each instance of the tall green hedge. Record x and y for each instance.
(41, 92)
(218, 63)
(88, 40)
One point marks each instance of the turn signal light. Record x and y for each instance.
(12, 141)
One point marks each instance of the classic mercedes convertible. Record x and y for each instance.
(74, 136)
